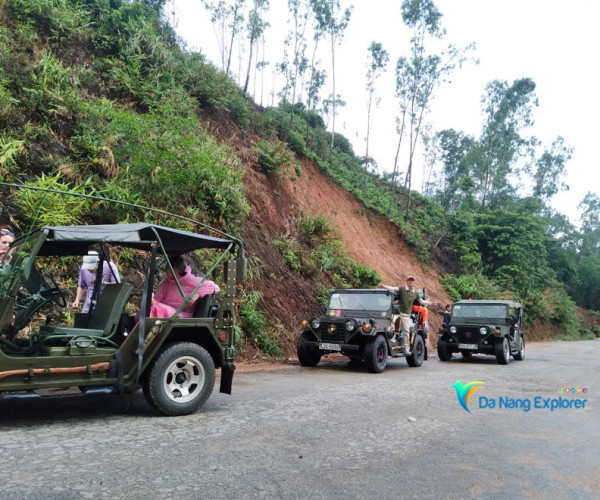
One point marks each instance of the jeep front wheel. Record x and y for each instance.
(308, 355)
(418, 353)
(443, 350)
(180, 379)
(376, 354)
(502, 350)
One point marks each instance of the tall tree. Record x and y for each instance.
(549, 171)
(508, 110)
(226, 17)
(590, 225)
(377, 60)
(332, 21)
(418, 75)
(456, 188)
(255, 28)
(300, 15)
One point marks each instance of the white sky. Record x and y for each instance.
(554, 42)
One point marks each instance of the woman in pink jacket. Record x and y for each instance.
(167, 298)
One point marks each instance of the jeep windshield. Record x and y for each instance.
(341, 302)
(472, 311)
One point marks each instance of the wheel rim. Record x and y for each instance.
(419, 350)
(381, 354)
(506, 349)
(522, 349)
(184, 379)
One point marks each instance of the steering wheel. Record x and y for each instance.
(53, 293)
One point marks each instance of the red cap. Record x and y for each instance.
(411, 277)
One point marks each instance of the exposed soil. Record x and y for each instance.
(277, 200)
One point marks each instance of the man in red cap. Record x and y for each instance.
(406, 297)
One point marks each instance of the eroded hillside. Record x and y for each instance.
(277, 200)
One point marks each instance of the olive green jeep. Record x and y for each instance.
(360, 325)
(491, 327)
(113, 349)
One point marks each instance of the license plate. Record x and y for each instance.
(467, 346)
(330, 347)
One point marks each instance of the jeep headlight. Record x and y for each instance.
(350, 325)
(315, 323)
(483, 330)
(452, 329)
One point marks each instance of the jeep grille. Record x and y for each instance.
(469, 335)
(336, 336)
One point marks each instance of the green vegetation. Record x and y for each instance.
(255, 324)
(316, 252)
(98, 96)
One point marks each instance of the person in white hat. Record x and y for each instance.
(87, 278)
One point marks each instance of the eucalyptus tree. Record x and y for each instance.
(333, 21)
(549, 171)
(417, 76)
(226, 17)
(377, 60)
(456, 188)
(300, 10)
(590, 225)
(508, 110)
(255, 28)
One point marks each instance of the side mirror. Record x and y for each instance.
(323, 310)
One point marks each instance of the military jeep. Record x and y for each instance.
(359, 324)
(112, 349)
(491, 327)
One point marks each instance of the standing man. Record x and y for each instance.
(406, 297)
(87, 279)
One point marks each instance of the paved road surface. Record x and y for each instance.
(334, 431)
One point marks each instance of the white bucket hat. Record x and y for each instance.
(90, 261)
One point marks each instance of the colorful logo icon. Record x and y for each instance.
(465, 391)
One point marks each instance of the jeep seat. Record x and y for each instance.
(204, 306)
(105, 317)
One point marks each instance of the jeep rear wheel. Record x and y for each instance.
(180, 379)
(502, 350)
(418, 353)
(376, 354)
(520, 354)
(308, 355)
(443, 350)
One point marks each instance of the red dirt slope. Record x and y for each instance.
(277, 200)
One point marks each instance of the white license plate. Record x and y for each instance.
(467, 346)
(330, 347)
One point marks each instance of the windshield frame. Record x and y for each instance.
(488, 308)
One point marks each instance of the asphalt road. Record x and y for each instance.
(334, 431)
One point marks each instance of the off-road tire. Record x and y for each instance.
(520, 354)
(308, 355)
(180, 379)
(376, 354)
(443, 351)
(467, 355)
(502, 351)
(418, 353)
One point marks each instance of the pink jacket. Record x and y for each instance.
(168, 293)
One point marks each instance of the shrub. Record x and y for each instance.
(272, 156)
(470, 286)
(255, 325)
(43, 208)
